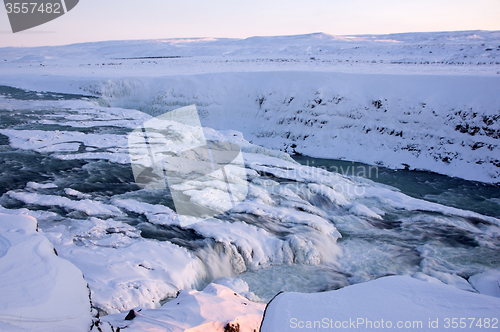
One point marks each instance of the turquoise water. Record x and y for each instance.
(475, 196)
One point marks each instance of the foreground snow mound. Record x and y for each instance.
(40, 291)
(209, 310)
(389, 302)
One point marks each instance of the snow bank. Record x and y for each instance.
(455, 53)
(207, 311)
(40, 291)
(401, 303)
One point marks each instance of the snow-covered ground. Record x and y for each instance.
(426, 101)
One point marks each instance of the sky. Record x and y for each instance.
(99, 20)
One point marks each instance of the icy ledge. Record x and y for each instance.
(383, 304)
(39, 291)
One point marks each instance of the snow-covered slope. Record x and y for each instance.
(39, 291)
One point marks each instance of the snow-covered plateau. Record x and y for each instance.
(418, 101)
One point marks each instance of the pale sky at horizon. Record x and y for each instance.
(98, 20)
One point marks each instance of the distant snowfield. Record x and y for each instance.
(424, 101)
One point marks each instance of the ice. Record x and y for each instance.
(34, 185)
(333, 195)
(48, 141)
(487, 283)
(143, 208)
(363, 211)
(75, 193)
(123, 270)
(40, 291)
(453, 280)
(249, 247)
(39, 215)
(427, 278)
(422, 306)
(119, 158)
(87, 206)
(237, 285)
(284, 216)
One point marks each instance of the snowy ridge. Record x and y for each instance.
(457, 52)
